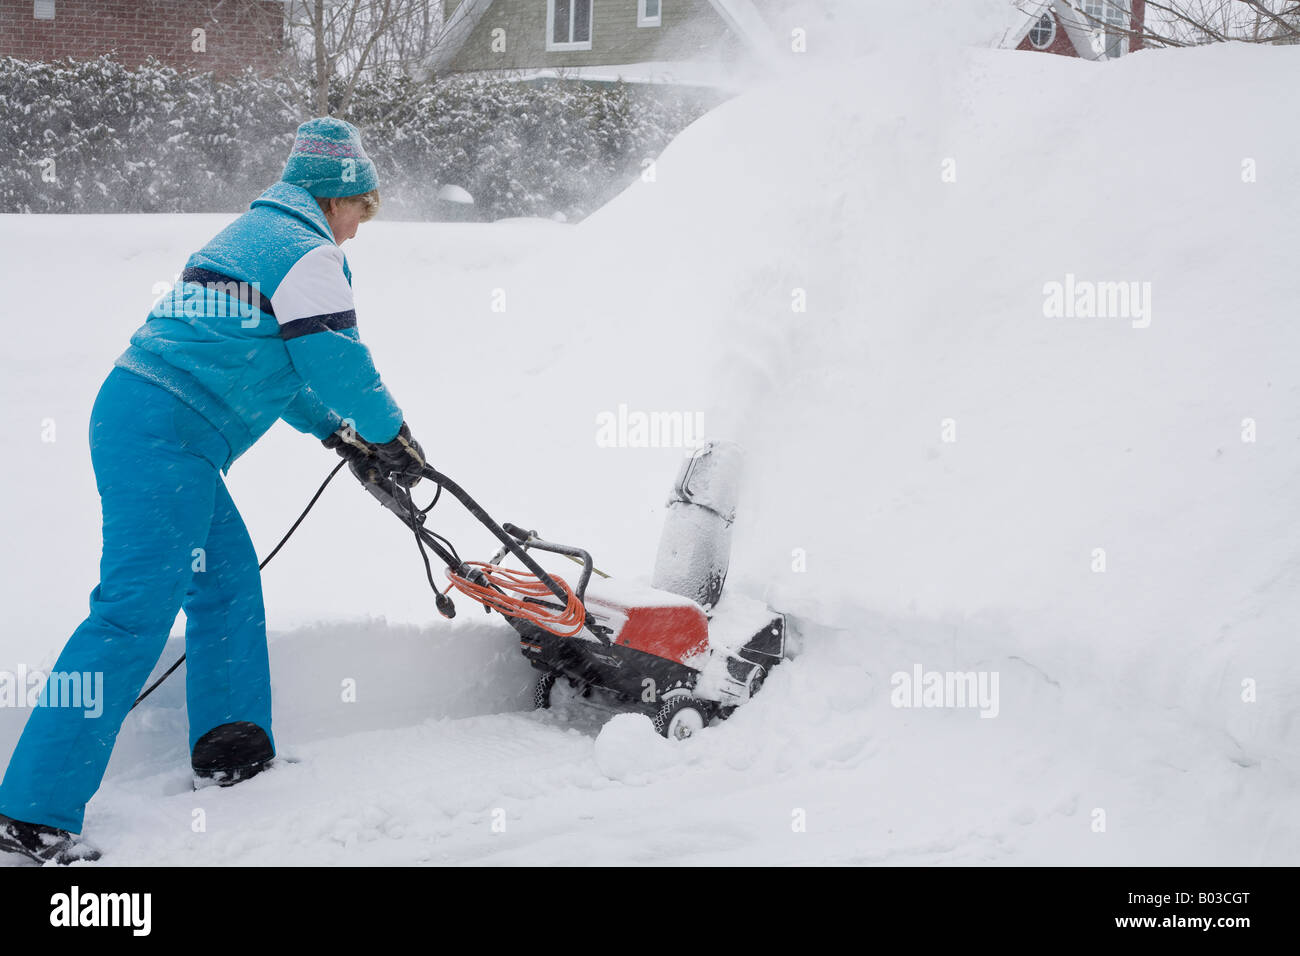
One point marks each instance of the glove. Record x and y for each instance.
(357, 452)
(403, 458)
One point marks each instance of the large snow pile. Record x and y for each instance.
(938, 474)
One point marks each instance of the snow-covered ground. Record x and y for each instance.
(1121, 734)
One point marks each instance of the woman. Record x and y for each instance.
(261, 327)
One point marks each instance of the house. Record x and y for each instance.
(684, 41)
(220, 36)
(1091, 29)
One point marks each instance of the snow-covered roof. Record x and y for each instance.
(457, 30)
(1028, 12)
(740, 16)
(678, 73)
(745, 21)
(1021, 21)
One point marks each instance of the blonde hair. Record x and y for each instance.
(371, 200)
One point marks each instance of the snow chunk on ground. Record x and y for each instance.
(629, 750)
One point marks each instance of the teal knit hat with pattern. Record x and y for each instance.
(327, 159)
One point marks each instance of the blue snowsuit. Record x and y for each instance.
(260, 327)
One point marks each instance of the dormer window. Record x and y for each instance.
(1043, 33)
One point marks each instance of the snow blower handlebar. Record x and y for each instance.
(529, 539)
(514, 540)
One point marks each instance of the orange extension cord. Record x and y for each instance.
(518, 587)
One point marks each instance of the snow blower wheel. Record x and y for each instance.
(542, 691)
(553, 689)
(681, 717)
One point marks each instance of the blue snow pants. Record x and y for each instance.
(172, 539)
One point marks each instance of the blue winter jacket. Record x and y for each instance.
(262, 326)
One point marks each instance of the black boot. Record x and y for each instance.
(230, 753)
(43, 843)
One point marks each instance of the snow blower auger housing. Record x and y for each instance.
(673, 651)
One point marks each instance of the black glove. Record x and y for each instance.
(403, 458)
(357, 452)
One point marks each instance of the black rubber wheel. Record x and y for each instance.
(682, 717)
(542, 691)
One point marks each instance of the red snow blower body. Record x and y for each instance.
(674, 650)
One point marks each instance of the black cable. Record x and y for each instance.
(314, 498)
(429, 507)
(274, 551)
(424, 513)
(171, 670)
(445, 605)
(419, 543)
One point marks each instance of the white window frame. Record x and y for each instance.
(1112, 14)
(45, 7)
(551, 45)
(1051, 37)
(646, 21)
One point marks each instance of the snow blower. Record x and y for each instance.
(673, 650)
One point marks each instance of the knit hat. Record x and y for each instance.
(327, 159)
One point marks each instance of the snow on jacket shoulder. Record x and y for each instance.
(262, 326)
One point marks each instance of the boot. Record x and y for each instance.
(43, 843)
(230, 753)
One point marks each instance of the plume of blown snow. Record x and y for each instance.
(845, 29)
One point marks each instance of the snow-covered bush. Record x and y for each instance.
(93, 136)
(520, 149)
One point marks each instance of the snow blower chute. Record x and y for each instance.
(674, 650)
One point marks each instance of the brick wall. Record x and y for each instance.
(1060, 45)
(237, 33)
